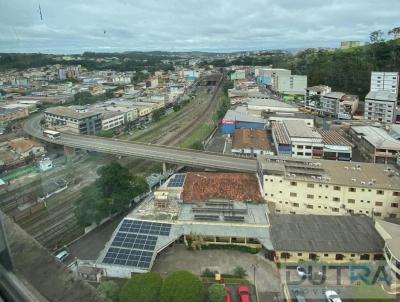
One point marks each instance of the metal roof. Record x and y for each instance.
(381, 95)
(377, 137)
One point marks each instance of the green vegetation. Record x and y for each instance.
(369, 293)
(344, 70)
(158, 114)
(239, 272)
(142, 287)
(240, 248)
(113, 192)
(195, 140)
(85, 97)
(182, 286)
(216, 293)
(109, 289)
(225, 104)
(105, 133)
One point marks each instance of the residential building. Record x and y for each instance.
(386, 81)
(336, 147)
(325, 187)
(239, 74)
(259, 106)
(25, 148)
(73, 119)
(380, 106)
(312, 98)
(239, 96)
(304, 142)
(390, 233)
(111, 120)
(251, 142)
(338, 104)
(331, 239)
(293, 84)
(239, 120)
(349, 44)
(12, 114)
(375, 144)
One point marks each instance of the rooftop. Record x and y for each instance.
(354, 174)
(378, 137)
(297, 128)
(280, 133)
(318, 88)
(22, 145)
(203, 186)
(332, 137)
(335, 95)
(251, 138)
(322, 233)
(70, 112)
(268, 103)
(382, 95)
(233, 115)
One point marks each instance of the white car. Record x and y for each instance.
(301, 271)
(332, 296)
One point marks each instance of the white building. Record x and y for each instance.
(292, 84)
(45, 164)
(380, 106)
(112, 119)
(257, 106)
(386, 81)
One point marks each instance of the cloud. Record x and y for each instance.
(74, 26)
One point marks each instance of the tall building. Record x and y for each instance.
(386, 81)
(380, 105)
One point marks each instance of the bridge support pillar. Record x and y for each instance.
(164, 168)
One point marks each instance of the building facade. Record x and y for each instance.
(380, 106)
(385, 81)
(327, 187)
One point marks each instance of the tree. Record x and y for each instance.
(182, 286)
(109, 289)
(142, 287)
(395, 32)
(176, 107)
(158, 114)
(105, 133)
(239, 272)
(91, 206)
(216, 293)
(376, 36)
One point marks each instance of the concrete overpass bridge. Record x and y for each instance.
(158, 153)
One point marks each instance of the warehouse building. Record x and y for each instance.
(295, 116)
(375, 144)
(251, 142)
(331, 239)
(240, 120)
(325, 187)
(193, 208)
(259, 106)
(336, 147)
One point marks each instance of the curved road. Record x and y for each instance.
(145, 151)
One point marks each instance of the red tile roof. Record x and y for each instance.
(251, 138)
(202, 186)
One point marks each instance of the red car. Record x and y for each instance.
(228, 297)
(243, 293)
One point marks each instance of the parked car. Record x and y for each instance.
(228, 297)
(301, 271)
(332, 296)
(244, 293)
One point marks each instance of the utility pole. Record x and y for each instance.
(254, 266)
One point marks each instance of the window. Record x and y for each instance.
(379, 203)
(326, 255)
(310, 185)
(352, 189)
(352, 255)
(310, 196)
(394, 205)
(336, 199)
(335, 209)
(296, 205)
(299, 254)
(300, 153)
(292, 194)
(377, 214)
(309, 206)
(379, 192)
(396, 193)
(339, 257)
(364, 257)
(392, 215)
(293, 183)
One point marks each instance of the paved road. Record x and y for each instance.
(146, 151)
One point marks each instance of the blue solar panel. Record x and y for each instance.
(177, 180)
(130, 257)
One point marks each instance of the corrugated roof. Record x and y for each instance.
(280, 133)
(323, 233)
(298, 128)
(377, 137)
(332, 137)
(237, 116)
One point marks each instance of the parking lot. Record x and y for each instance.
(179, 258)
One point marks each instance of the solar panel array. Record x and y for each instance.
(177, 181)
(234, 218)
(135, 242)
(206, 217)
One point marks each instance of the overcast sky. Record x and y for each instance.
(74, 26)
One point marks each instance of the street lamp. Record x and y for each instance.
(254, 267)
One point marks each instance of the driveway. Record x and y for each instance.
(179, 258)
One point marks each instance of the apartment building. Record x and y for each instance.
(238, 74)
(386, 81)
(292, 84)
(12, 114)
(324, 187)
(111, 120)
(73, 119)
(313, 96)
(339, 105)
(380, 106)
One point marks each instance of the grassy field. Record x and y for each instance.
(199, 135)
(369, 293)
